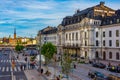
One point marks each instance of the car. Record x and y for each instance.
(99, 65)
(97, 75)
(114, 69)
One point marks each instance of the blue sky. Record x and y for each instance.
(29, 16)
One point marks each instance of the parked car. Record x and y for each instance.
(114, 69)
(97, 75)
(99, 65)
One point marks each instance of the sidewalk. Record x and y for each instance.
(34, 75)
(31, 74)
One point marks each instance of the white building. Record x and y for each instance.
(93, 33)
(48, 34)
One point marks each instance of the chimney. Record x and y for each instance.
(102, 3)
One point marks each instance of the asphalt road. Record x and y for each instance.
(6, 71)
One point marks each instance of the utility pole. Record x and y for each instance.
(39, 50)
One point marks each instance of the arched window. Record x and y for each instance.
(97, 55)
(117, 56)
(110, 55)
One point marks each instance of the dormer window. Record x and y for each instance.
(111, 22)
(118, 20)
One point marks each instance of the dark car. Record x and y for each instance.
(114, 69)
(97, 75)
(99, 65)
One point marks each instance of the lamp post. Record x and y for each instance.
(39, 52)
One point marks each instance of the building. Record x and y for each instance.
(48, 34)
(92, 33)
(18, 40)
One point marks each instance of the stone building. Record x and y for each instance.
(92, 33)
(48, 34)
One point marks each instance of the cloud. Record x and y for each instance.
(28, 16)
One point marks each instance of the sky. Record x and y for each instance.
(30, 16)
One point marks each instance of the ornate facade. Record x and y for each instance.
(93, 33)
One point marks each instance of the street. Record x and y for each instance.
(6, 71)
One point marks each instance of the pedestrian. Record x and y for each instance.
(57, 78)
(74, 66)
(21, 67)
(26, 59)
(109, 64)
(17, 56)
(41, 70)
(24, 66)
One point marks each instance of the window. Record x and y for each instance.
(72, 36)
(103, 42)
(85, 34)
(97, 44)
(110, 55)
(66, 36)
(104, 34)
(117, 43)
(118, 20)
(69, 36)
(117, 56)
(96, 34)
(97, 55)
(76, 35)
(110, 42)
(117, 33)
(111, 22)
(110, 33)
(85, 43)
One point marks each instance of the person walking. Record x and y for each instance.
(24, 66)
(21, 67)
(41, 70)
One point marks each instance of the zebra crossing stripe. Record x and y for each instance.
(19, 69)
(1, 60)
(15, 69)
(3, 69)
(7, 69)
(11, 69)
(0, 68)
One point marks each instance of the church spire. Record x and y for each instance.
(14, 33)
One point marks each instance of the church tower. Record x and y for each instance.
(14, 33)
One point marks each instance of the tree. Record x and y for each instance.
(48, 50)
(66, 64)
(19, 47)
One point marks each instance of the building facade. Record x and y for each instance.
(48, 34)
(93, 33)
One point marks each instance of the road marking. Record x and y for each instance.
(1, 60)
(0, 68)
(3, 69)
(19, 69)
(4, 75)
(7, 69)
(15, 69)
(11, 69)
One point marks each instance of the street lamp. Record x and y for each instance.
(39, 52)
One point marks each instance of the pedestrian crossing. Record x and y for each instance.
(9, 69)
(8, 61)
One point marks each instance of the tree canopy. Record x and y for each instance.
(19, 47)
(48, 50)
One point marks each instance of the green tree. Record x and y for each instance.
(66, 64)
(19, 47)
(48, 50)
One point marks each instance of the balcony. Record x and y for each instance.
(71, 46)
